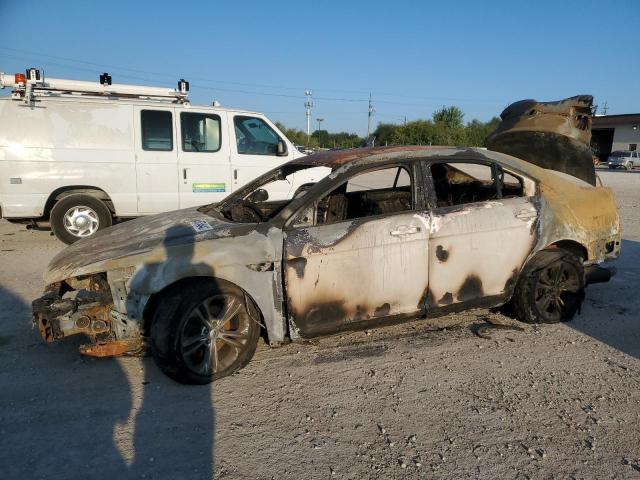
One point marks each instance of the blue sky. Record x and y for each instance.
(412, 56)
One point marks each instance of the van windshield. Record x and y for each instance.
(620, 153)
(262, 199)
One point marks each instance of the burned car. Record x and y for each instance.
(387, 234)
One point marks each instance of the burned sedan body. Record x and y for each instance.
(386, 234)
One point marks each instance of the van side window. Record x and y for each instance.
(200, 132)
(157, 130)
(255, 137)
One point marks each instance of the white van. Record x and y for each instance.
(75, 155)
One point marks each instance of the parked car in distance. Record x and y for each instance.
(77, 155)
(388, 234)
(624, 159)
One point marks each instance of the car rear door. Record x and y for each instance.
(479, 236)
(358, 255)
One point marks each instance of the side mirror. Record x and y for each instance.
(259, 195)
(282, 148)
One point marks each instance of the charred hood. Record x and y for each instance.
(552, 135)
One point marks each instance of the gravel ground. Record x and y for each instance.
(420, 400)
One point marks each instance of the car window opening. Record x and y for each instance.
(472, 182)
(378, 192)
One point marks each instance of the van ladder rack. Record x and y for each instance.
(27, 87)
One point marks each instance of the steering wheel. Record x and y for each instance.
(254, 209)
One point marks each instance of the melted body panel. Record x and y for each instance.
(554, 135)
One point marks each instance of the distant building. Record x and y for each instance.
(615, 132)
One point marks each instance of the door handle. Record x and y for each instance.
(184, 173)
(404, 230)
(235, 174)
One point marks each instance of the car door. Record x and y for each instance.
(255, 151)
(482, 230)
(156, 159)
(204, 158)
(358, 253)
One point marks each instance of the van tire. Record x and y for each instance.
(95, 215)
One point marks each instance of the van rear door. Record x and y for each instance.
(203, 158)
(156, 159)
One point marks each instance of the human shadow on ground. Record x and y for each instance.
(610, 312)
(174, 429)
(63, 416)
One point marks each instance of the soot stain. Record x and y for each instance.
(382, 311)
(470, 289)
(441, 254)
(298, 264)
(446, 299)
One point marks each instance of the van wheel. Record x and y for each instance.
(203, 332)
(78, 216)
(550, 288)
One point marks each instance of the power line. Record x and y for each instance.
(210, 83)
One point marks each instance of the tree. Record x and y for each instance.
(477, 131)
(451, 117)
(445, 128)
(384, 132)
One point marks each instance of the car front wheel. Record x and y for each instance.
(550, 288)
(204, 331)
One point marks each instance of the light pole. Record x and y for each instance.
(319, 120)
(307, 105)
(370, 112)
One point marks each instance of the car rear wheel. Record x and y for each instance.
(550, 288)
(79, 216)
(204, 331)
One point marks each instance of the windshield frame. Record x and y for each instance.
(278, 173)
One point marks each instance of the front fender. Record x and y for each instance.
(252, 262)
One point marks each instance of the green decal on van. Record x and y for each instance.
(208, 187)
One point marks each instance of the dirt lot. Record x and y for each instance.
(410, 401)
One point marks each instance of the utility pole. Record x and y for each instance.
(319, 120)
(371, 110)
(307, 105)
(605, 107)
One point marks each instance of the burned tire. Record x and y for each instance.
(550, 288)
(204, 330)
(79, 216)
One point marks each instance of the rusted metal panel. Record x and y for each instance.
(112, 349)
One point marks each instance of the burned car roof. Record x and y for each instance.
(341, 157)
(336, 159)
